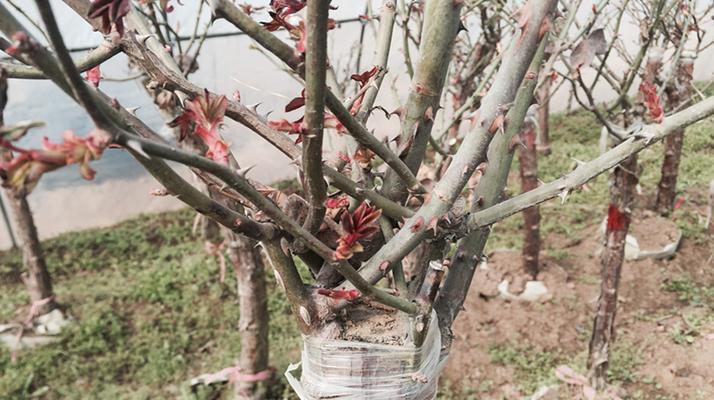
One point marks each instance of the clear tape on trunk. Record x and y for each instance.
(341, 369)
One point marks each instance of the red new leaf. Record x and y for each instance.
(365, 76)
(337, 202)
(21, 43)
(342, 156)
(331, 122)
(205, 114)
(287, 7)
(27, 166)
(296, 103)
(249, 8)
(111, 12)
(293, 128)
(363, 156)
(299, 35)
(357, 225)
(348, 295)
(93, 76)
(277, 21)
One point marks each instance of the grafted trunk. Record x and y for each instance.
(528, 160)
(208, 228)
(543, 114)
(622, 193)
(250, 274)
(36, 277)
(667, 187)
(710, 209)
(677, 93)
(416, 264)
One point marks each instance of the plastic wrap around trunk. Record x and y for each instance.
(340, 369)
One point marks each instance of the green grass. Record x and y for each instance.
(533, 368)
(690, 292)
(624, 360)
(700, 297)
(150, 314)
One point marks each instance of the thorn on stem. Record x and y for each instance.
(418, 225)
(243, 172)
(305, 315)
(563, 195)
(384, 266)
(136, 146)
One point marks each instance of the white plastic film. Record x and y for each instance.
(340, 369)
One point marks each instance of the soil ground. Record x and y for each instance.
(665, 340)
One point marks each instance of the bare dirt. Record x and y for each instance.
(665, 340)
(375, 325)
(653, 231)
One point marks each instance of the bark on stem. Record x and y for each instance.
(710, 209)
(618, 221)
(253, 302)
(76, 84)
(288, 278)
(619, 214)
(315, 73)
(677, 93)
(667, 186)
(425, 298)
(489, 190)
(528, 160)
(441, 25)
(37, 278)
(381, 56)
(543, 115)
(8, 224)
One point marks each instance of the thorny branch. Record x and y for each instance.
(485, 150)
(315, 74)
